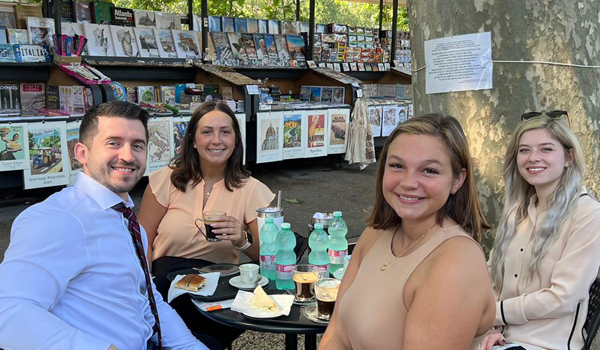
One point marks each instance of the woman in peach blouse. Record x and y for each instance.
(209, 176)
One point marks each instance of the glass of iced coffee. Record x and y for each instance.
(305, 276)
(326, 291)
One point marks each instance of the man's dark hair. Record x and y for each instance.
(118, 109)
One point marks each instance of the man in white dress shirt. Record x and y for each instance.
(71, 277)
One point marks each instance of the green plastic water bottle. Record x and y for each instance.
(318, 241)
(268, 249)
(285, 260)
(338, 244)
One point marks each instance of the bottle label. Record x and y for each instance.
(267, 262)
(323, 270)
(284, 272)
(337, 256)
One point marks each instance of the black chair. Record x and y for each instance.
(592, 321)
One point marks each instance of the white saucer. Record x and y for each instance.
(237, 282)
(339, 273)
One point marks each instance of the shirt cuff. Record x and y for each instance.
(510, 311)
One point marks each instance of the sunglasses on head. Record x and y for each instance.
(552, 115)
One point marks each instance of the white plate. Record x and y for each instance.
(237, 282)
(339, 273)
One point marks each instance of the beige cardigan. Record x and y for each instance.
(548, 311)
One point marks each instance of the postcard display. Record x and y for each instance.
(269, 140)
(14, 147)
(160, 143)
(72, 140)
(48, 158)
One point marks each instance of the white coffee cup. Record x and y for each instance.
(249, 273)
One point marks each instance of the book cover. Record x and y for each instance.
(40, 31)
(14, 143)
(237, 46)
(304, 27)
(3, 36)
(263, 26)
(124, 41)
(8, 17)
(261, 46)
(9, 97)
(52, 97)
(101, 11)
(65, 95)
(290, 27)
(228, 24)
(32, 53)
(145, 94)
(27, 10)
(271, 47)
(122, 17)
(223, 49)
(167, 94)
(146, 42)
(296, 47)
(273, 25)
(186, 44)
(252, 25)
(78, 108)
(67, 13)
(282, 48)
(249, 46)
(214, 23)
(166, 44)
(241, 25)
(338, 95)
(315, 93)
(83, 12)
(326, 94)
(305, 93)
(33, 96)
(17, 36)
(7, 53)
(99, 40)
(144, 19)
(168, 21)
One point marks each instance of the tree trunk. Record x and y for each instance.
(559, 31)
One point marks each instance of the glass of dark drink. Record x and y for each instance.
(326, 291)
(209, 218)
(305, 276)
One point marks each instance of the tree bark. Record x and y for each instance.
(529, 30)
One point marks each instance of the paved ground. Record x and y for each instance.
(316, 185)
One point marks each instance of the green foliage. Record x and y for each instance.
(51, 141)
(326, 11)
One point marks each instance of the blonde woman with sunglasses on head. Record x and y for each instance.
(546, 252)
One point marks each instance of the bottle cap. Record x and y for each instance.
(318, 226)
(269, 220)
(337, 213)
(285, 225)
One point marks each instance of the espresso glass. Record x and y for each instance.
(209, 218)
(305, 276)
(326, 291)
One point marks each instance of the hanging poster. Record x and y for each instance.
(317, 137)
(269, 140)
(241, 118)
(180, 125)
(390, 120)
(72, 140)
(459, 63)
(294, 129)
(160, 142)
(48, 155)
(339, 119)
(14, 147)
(375, 119)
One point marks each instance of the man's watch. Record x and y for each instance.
(249, 241)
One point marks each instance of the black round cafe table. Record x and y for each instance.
(292, 325)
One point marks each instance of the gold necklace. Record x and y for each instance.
(384, 266)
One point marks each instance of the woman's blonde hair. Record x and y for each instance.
(463, 206)
(518, 193)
